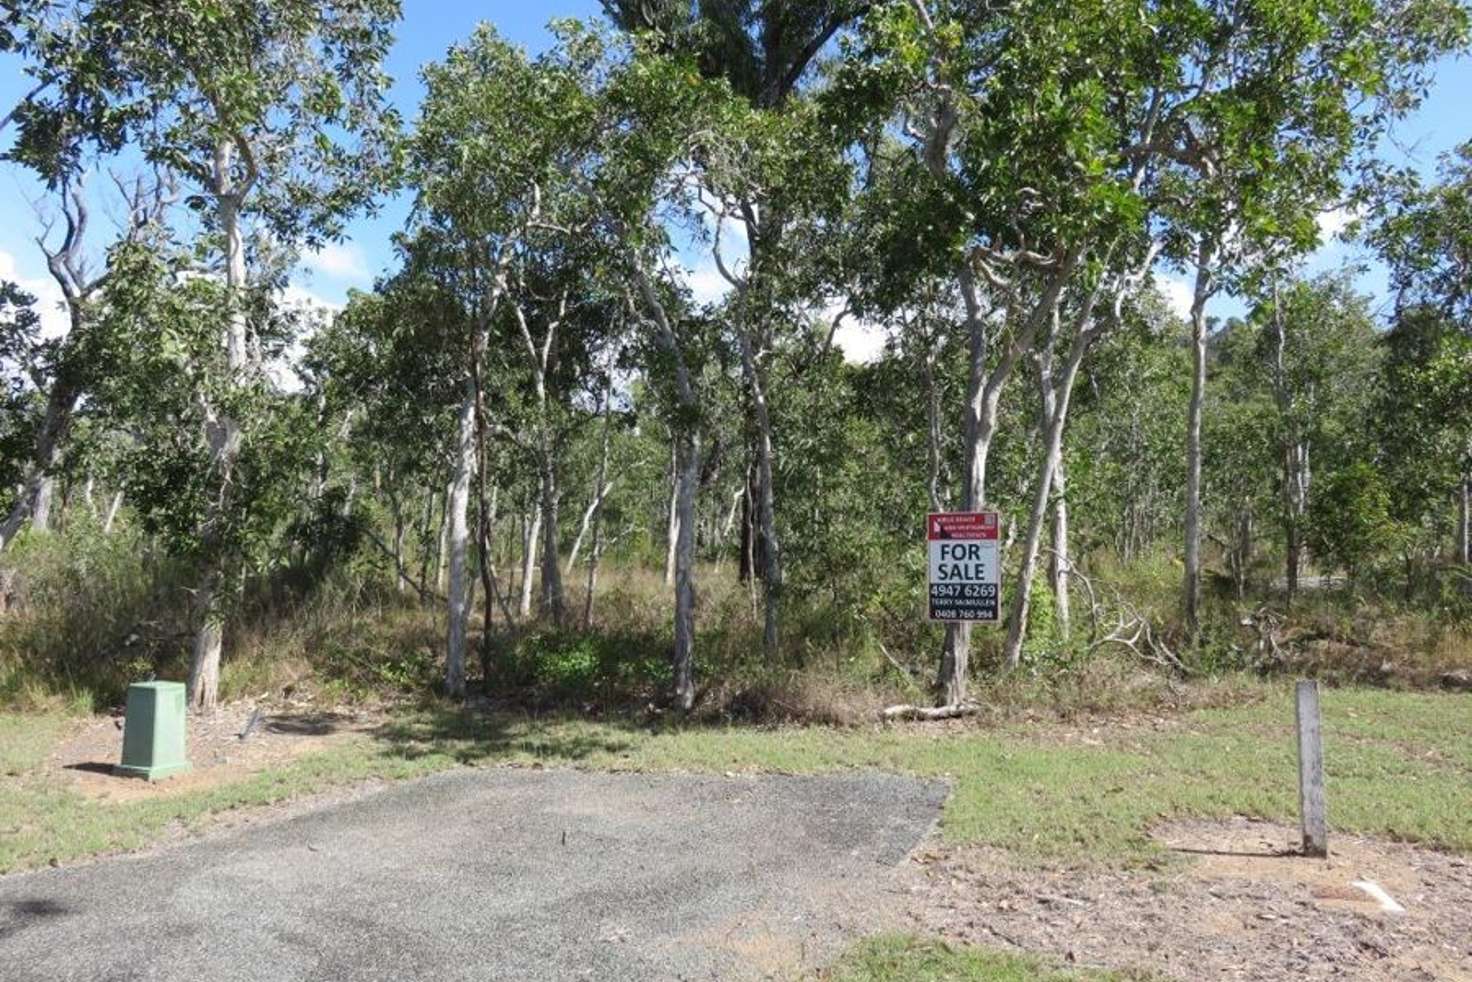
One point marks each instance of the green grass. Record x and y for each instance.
(1399, 766)
(25, 740)
(901, 958)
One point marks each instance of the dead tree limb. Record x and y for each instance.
(930, 713)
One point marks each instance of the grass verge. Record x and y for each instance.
(1399, 766)
(903, 958)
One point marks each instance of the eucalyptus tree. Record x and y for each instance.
(272, 111)
(1317, 351)
(1051, 145)
(1242, 476)
(57, 368)
(1424, 232)
(1012, 184)
(383, 377)
(20, 337)
(1125, 467)
(159, 372)
(1264, 114)
(769, 177)
(659, 118)
(1423, 424)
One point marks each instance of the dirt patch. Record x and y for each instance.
(1242, 906)
(216, 749)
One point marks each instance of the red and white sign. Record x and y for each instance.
(965, 572)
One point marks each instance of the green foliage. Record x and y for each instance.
(162, 375)
(19, 409)
(582, 670)
(1349, 521)
(297, 85)
(99, 612)
(1425, 234)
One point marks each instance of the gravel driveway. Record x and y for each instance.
(494, 874)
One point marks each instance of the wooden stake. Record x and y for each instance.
(1311, 772)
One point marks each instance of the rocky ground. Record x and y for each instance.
(1234, 902)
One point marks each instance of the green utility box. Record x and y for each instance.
(153, 733)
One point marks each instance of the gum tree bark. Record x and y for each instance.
(687, 477)
(672, 534)
(223, 432)
(531, 542)
(1294, 451)
(984, 388)
(1085, 334)
(459, 535)
(604, 485)
(983, 398)
(1191, 586)
(766, 499)
(112, 512)
(551, 499)
(1058, 559)
(540, 360)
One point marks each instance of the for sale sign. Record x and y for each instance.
(965, 575)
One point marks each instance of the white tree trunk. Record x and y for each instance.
(1052, 457)
(587, 521)
(1294, 456)
(552, 605)
(204, 664)
(531, 541)
(1058, 560)
(459, 535)
(672, 533)
(41, 512)
(112, 513)
(224, 432)
(766, 497)
(684, 653)
(401, 581)
(983, 399)
(1192, 579)
(442, 554)
(602, 486)
(687, 458)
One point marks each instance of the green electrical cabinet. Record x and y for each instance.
(153, 732)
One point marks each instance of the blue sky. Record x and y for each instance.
(431, 26)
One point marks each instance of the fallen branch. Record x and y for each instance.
(929, 713)
(255, 718)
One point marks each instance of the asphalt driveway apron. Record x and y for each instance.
(493, 874)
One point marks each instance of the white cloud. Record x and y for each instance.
(861, 342)
(339, 261)
(1177, 292)
(50, 305)
(706, 283)
(305, 300)
(317, 313)
(1334, 222)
